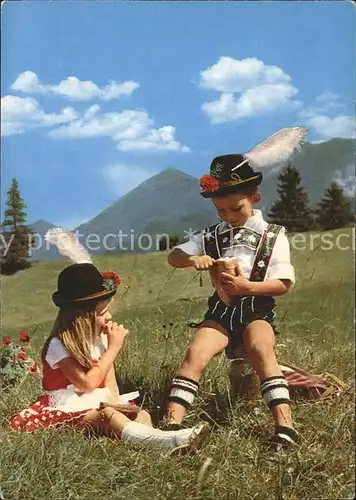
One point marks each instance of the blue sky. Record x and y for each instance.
(98, 96)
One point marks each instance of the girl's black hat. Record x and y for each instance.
(83, 284)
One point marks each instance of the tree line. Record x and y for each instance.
(291, 209)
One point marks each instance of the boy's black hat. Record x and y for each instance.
(229, 174)
(235, 172)
(83, 284)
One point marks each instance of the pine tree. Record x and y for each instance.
(173, 241)
(16, 236)
(292, 208)
(334, 210)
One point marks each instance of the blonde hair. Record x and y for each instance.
(76, 329)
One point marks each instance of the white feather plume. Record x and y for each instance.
(68, 245)
(278, 148)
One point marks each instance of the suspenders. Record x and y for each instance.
(262, 245)
(264, 252)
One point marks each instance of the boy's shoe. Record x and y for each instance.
(171, 425)
(283, 439)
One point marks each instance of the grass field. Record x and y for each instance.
(316, 321)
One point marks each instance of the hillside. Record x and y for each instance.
(152, 281)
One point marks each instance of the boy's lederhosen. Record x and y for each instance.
(246, 308)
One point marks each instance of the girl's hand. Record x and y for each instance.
(235, 285)
(116, 334)
(201, 262)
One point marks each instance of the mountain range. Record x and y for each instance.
(169, 202)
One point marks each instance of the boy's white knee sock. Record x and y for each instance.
(183, 391)
(135, 432)
(275, 391)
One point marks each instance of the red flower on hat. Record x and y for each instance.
(209, 183)
(21, 355)
(24, 337)
(112, 276)
(6, 340)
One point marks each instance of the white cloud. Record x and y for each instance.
(248, 88)
(130, 129)
(123, 178)
(252, 102)
(73, 88)
(233, 75)
(318, 118)
(346, 180)
(318, 141)
(328, 100)
(19, 114)
(339, 126)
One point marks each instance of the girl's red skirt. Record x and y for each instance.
(39, 415)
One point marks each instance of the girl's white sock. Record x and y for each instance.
(135, 432)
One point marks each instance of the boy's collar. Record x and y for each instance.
(253, 222)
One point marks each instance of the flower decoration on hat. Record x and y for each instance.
(209, 183)
(111, 280)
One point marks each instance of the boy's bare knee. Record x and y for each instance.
(197, 357)
(260, 348)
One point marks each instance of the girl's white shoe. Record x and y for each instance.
(197, 440)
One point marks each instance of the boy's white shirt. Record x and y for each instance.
(280, 266)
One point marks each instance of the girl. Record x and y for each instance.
(78, 367)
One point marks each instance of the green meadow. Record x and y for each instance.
(156, 302)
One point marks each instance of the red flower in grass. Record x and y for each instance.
(24, 337)
(34, 367)
(209, 183)
(112, 276)
(21, 355)
(6, 340)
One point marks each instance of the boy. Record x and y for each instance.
(263, 256)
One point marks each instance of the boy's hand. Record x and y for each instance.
(201, 262)
(235, 285)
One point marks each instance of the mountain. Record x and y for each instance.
(169, 202)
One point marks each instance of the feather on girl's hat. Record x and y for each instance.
(235, 172)
(80, 284)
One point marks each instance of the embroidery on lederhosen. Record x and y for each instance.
(264, 252)
(216, 242)
(243, 236)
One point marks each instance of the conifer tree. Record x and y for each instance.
(16, 235)
(334, 210)
(291, 209)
